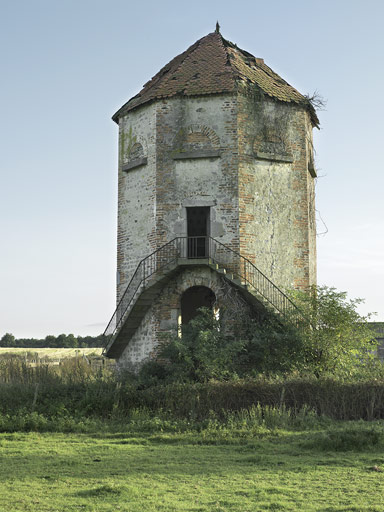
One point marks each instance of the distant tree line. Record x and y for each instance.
(60, 341)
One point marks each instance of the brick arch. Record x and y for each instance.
(196, 135)
(198, 280)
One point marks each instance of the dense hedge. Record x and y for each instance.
(345, 401)
(74, 389)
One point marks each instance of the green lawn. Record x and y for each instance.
(184, 472)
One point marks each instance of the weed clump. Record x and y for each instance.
(342, 438)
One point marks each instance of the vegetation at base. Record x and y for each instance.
(218, 422)
(335, 341)
(76, 395)
(60, 341)
(97, 443)
(211, 371)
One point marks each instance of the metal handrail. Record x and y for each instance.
(149, 265)
(218, 253)
(246, 271)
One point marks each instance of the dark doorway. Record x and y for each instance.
(198, 231)
(194, 298)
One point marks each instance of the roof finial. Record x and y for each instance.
(217, 28)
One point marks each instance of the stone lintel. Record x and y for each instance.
(135, 163)
(207, 153)
(274, 156)
(199, 201)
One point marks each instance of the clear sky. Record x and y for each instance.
(68, 65)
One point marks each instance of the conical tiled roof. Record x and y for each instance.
(214, 65)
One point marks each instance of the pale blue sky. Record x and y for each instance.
(67, 66)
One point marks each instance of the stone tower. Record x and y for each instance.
(216, 182)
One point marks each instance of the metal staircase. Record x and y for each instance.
(154, 271)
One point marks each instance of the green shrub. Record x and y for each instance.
(335, 341)
(338, 341)
(203, 352)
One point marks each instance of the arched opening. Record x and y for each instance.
(194, 298)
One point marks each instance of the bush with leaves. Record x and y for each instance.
(271, 347)
(204, 351)
(337, 341)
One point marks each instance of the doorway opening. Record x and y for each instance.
(194, 298)
(198, 231)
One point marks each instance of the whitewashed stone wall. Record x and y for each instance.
(248, 160)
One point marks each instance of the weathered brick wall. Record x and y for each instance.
(141, 345)
(311, 199)
(276, 191)
(190, 125)
(136, 192)
(153, 197)
(245, 157)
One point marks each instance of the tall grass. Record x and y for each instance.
(58, 397)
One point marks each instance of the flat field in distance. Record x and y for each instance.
(184, 472)
(51, 353)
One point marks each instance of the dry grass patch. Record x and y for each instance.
(52, 353)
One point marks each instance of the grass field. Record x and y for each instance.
(51, 353)
(72, 438)
(185, 472)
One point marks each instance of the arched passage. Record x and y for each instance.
(194, 298)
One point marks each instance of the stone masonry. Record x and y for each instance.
(215, 128)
